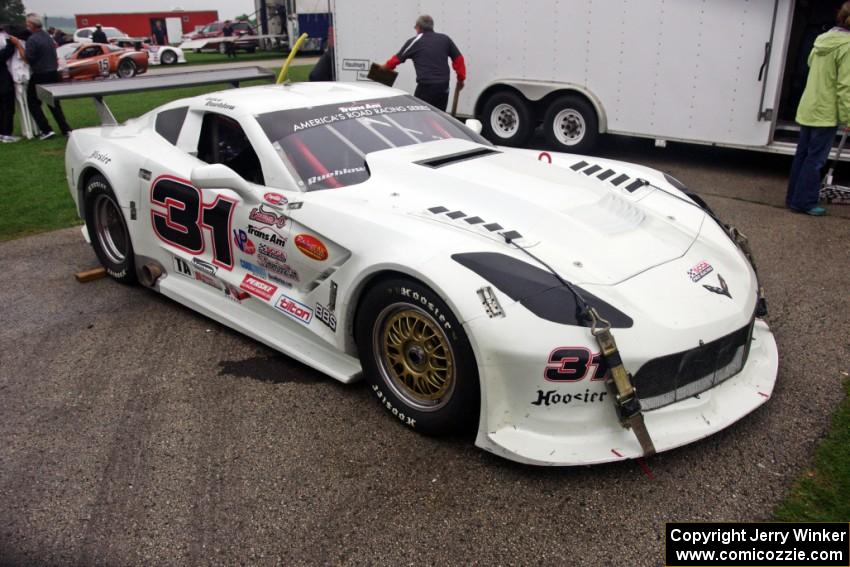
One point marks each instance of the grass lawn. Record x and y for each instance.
(822, 494)
(34, 192)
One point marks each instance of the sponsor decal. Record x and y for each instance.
(294, 309)
(101, 157)
(274, 199)
(722, 290)
(207, 279)
(284, 270)
(573, 364)
(311, 247)
(326, 316)
(243, 242)
(700, 271)
(554, 398)
(428, 304)
(216, 102)
(267, 217)
(407, 420)
(272, 252)
(335, 173)
(271, 238)
(203, 266)
(182, 267)
(233, 293)
(255, 286)
(280, 280)
(253, 268)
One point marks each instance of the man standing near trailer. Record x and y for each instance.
(825, 104)
(429, 51)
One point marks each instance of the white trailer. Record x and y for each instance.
(719, 72)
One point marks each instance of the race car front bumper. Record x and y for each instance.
(529, 420)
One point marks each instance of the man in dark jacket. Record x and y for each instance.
(41, 55)
(429, 51)
(229, 47)
(158, 33)
(98, 36)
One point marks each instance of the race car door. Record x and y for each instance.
(193, 227)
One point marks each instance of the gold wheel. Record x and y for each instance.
(415, 356)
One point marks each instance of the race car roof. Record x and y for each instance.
(270, 98)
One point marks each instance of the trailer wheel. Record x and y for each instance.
(507, 119)
(571, 125)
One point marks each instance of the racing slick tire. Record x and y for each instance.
(417, 360)
(126, 69)
(571, 125)
(108, 231)
(168, 57)
(507, 119)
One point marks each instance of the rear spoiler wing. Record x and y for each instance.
(51, 94)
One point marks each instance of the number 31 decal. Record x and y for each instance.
(179, 217)
(571, 364)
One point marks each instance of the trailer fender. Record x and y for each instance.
(536, 91)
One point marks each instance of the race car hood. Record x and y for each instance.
(589, 231)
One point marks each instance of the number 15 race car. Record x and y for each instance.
(572, 310)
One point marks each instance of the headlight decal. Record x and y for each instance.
(537, 290)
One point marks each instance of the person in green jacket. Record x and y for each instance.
(825, 104)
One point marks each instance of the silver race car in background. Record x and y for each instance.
(570, 309)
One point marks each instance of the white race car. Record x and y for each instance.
(157, 54)
(552, 301)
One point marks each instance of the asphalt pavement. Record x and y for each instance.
(136, 432)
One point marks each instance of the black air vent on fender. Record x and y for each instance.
(454, 158)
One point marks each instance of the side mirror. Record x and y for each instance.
(219, 176)
(474, 125)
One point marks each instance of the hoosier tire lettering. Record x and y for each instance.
(400, 415)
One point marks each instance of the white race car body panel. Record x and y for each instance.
(288, 267)
(155, 53)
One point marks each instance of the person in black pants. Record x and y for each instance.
(41, 55)
(429, 51)
(7, 91)
(229, 47)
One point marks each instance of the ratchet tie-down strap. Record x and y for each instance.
(619, 384)
(742, 242)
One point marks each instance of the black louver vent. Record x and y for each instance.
(449, 159)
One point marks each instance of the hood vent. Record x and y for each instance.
(454, 158)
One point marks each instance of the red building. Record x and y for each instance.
(141, 24)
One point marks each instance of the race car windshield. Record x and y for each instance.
(326, 146)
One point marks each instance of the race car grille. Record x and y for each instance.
(668, 379)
